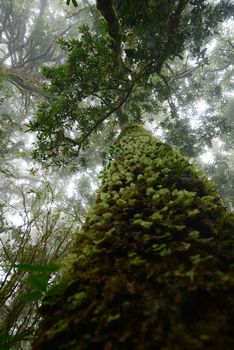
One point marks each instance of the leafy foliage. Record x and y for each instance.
(84, 97)
(161, 30)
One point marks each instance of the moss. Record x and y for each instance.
(77, 300)
(151, 268)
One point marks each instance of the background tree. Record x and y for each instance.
(44, 237)
(37, 218)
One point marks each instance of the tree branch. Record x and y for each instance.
(119, 105)
(172, 27)
(107, 9)
(80, 142)
(23, 83)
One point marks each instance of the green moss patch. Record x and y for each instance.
(152, 266)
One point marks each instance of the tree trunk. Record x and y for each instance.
(151, 267)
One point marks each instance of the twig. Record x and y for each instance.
(107, 115)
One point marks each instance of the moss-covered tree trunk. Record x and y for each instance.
(152, 265)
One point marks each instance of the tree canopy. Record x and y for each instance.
(133, 57)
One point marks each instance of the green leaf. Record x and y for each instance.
(74, 2)
(6, 346)
(37, 267)
(205, 240)
(165, 252)
(6, 341)
(6, 172)
(31, 296)
(113, 317)
(166, 235)
(38, 282)
(193, 212)
(6, 337)
(194, 234)
(77, 300)
(159, 247)
(190, 274)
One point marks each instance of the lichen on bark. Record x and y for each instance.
(152, 266)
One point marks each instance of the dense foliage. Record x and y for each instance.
(131, 79)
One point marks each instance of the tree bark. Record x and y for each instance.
(151, 267)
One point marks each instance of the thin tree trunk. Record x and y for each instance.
(151, 267)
